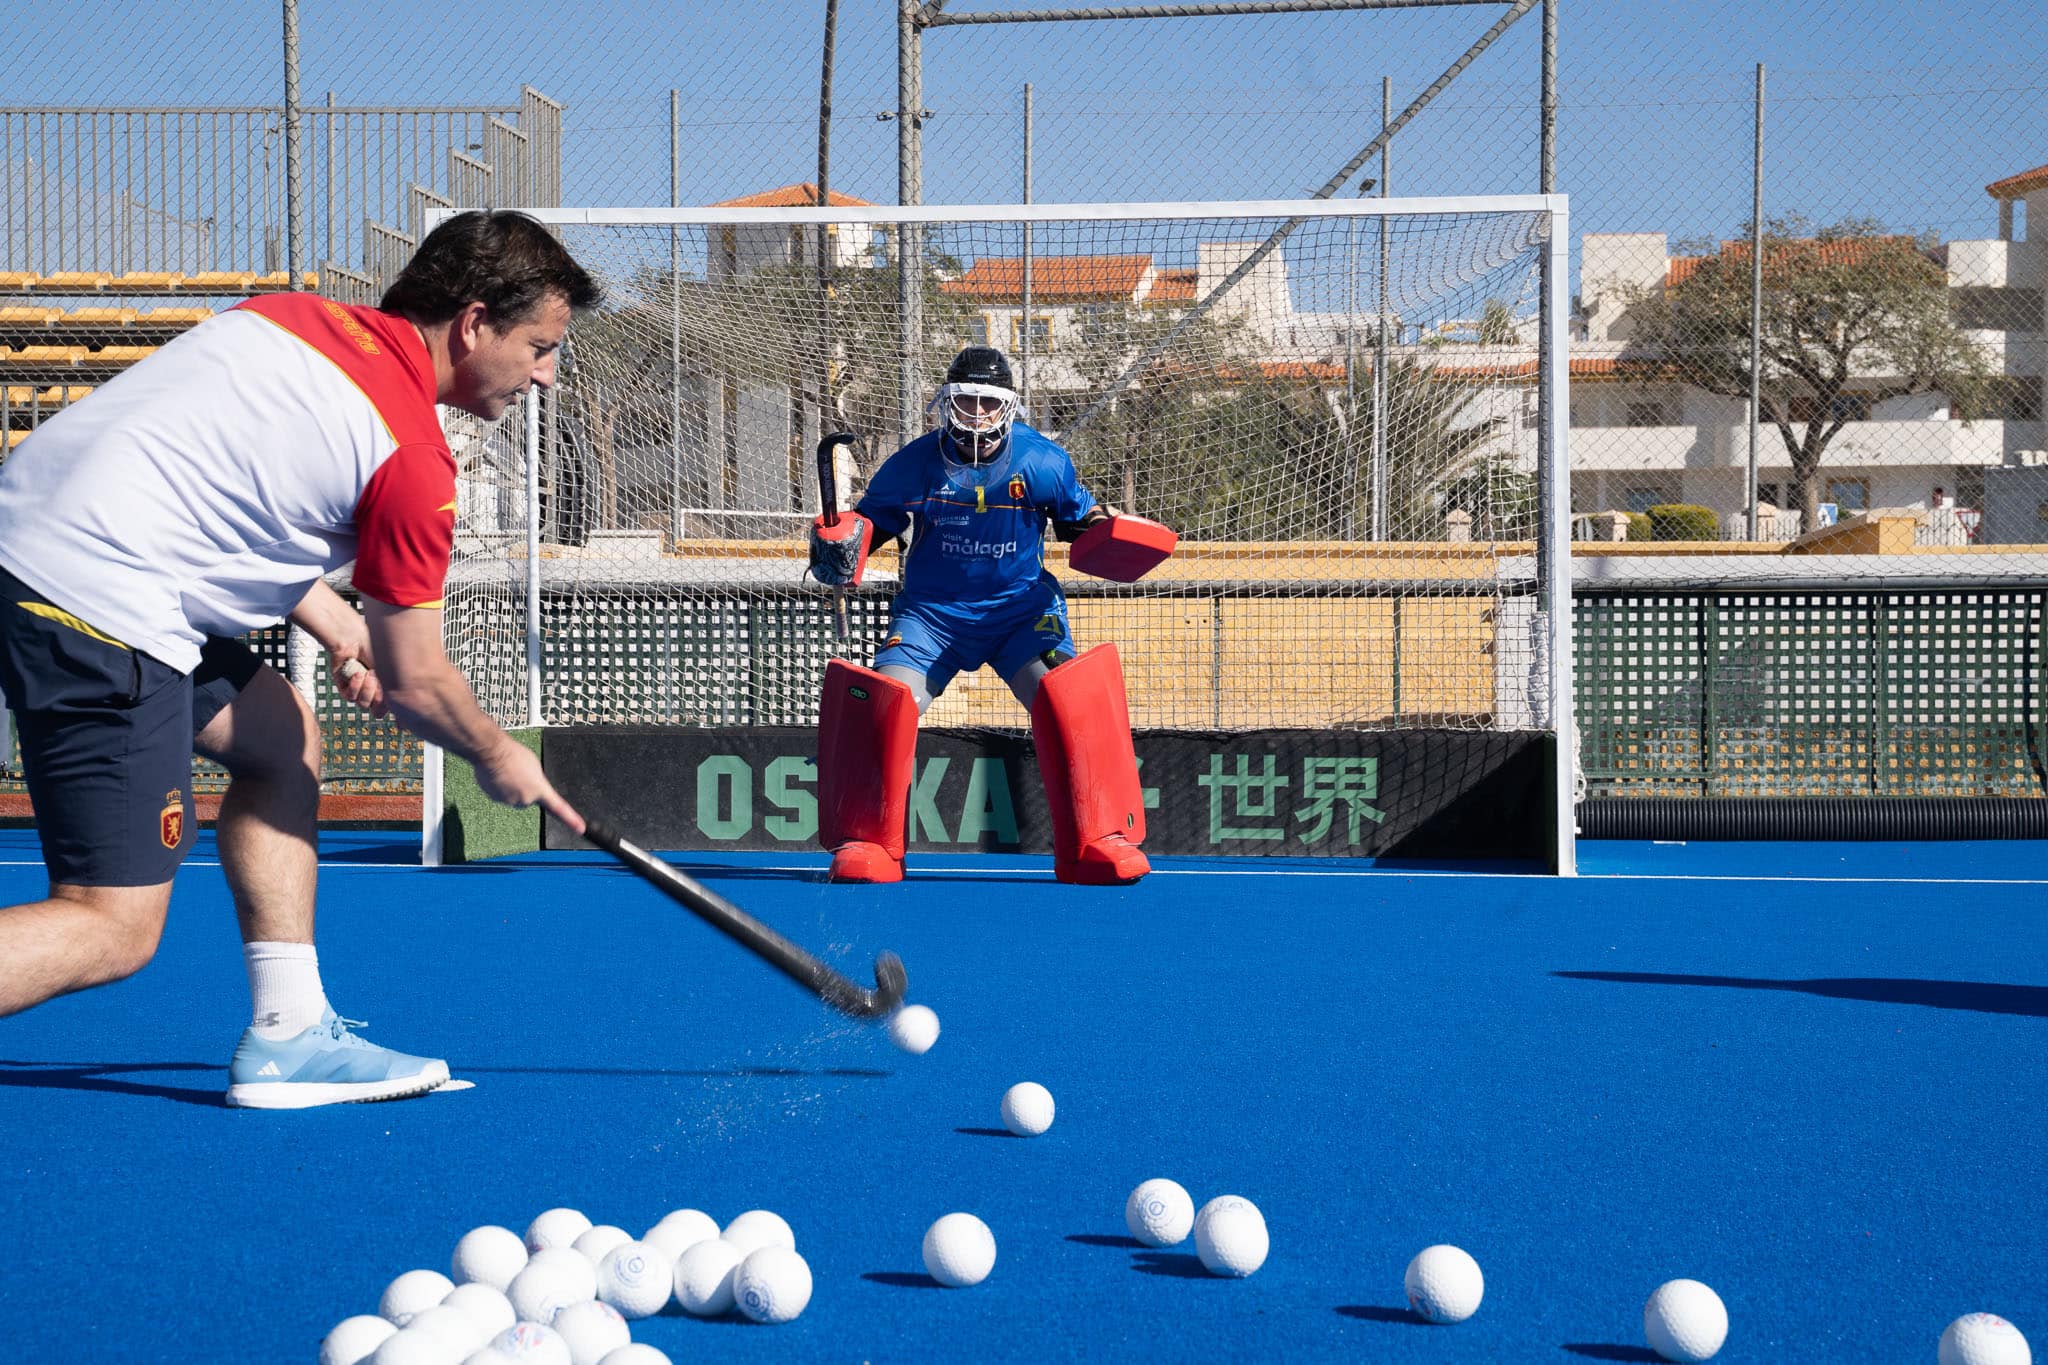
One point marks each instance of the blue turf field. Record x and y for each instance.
(1821, 1096)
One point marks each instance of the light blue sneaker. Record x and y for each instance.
(325, 1065)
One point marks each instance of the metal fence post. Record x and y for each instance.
(909, 190)
(1756, 301)
(297, 250)
(1024, 341)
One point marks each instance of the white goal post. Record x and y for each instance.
(1353, 411)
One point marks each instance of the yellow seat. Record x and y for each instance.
(172, 317)
(120, 355)
(62, 394)
(44, 355)
(20, 393)
(15, 438)
(28, 315)
(75, 281)
(149, 281)
(219, 282)
(18, 281)
(99, 318)
(280, 281)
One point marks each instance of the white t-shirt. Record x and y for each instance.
(204, 490)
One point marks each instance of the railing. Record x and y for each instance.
(189, 188)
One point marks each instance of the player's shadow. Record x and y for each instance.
(101, 1078)
(1595, 1350)
(915, 876)
(707, 1073)
(1983, 997)
(1174, 1265)
(902, 1279)
(708, 873)
(1372, 1312)
(397, 851)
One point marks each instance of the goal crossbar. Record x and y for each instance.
(1553, 206)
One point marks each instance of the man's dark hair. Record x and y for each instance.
(506, 260)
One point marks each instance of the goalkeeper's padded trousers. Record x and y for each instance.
(867, 745)
(1081, 727)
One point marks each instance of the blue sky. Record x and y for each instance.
(1892, 110)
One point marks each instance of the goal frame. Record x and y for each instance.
(1553, 549)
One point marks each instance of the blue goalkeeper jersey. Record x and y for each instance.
(977, 531)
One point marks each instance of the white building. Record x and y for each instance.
(1641, 435)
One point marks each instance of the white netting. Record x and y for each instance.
(1337, 412)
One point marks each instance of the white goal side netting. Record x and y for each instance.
(1336, 406)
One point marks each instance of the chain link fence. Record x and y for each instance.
(151, 171)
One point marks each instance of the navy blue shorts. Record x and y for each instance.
(106, 739)
(943, 639)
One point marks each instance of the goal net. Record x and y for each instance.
(1339, 406)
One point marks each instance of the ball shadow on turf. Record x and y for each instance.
(1372, 1312)
(1600, 1350)
(902, 1279)
(1177, 1265)
(1100, 1239)
(986, 1132)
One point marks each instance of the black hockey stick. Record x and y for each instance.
(828, 503)
(721, 914)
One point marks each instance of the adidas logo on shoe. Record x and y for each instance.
(269, 1069)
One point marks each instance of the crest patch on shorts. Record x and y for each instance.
(171, 824)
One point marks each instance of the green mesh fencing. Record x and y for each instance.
(1806, 693)
(358, 754)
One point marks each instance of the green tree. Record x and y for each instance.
(1442, 451)
(1496, 324)
(1849, 311)
(1224, 446)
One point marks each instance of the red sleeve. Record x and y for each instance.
(405, 527)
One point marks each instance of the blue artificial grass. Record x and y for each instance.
(1822, 1098)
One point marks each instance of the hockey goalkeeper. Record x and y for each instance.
(975, 496)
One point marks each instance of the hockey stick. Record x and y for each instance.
(828, 504)
(721, 914)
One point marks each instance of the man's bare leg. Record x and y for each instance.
(268, 829)
(295, 1054)
(81, 936)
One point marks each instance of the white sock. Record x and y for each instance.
(284, 983)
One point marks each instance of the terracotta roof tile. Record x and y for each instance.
(798, 196)
(1841, 251)
(2013, 186)
(1053, 278)
(1174, 286)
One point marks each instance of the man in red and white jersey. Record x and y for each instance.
(203, 494)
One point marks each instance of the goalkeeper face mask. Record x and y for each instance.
(977, 419)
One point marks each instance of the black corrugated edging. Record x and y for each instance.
(1817, 819)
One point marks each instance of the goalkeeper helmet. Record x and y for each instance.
(977, 403)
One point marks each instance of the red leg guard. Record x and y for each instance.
(867, 744)
(1081, 727)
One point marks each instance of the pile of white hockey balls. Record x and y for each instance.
(567, 1291)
